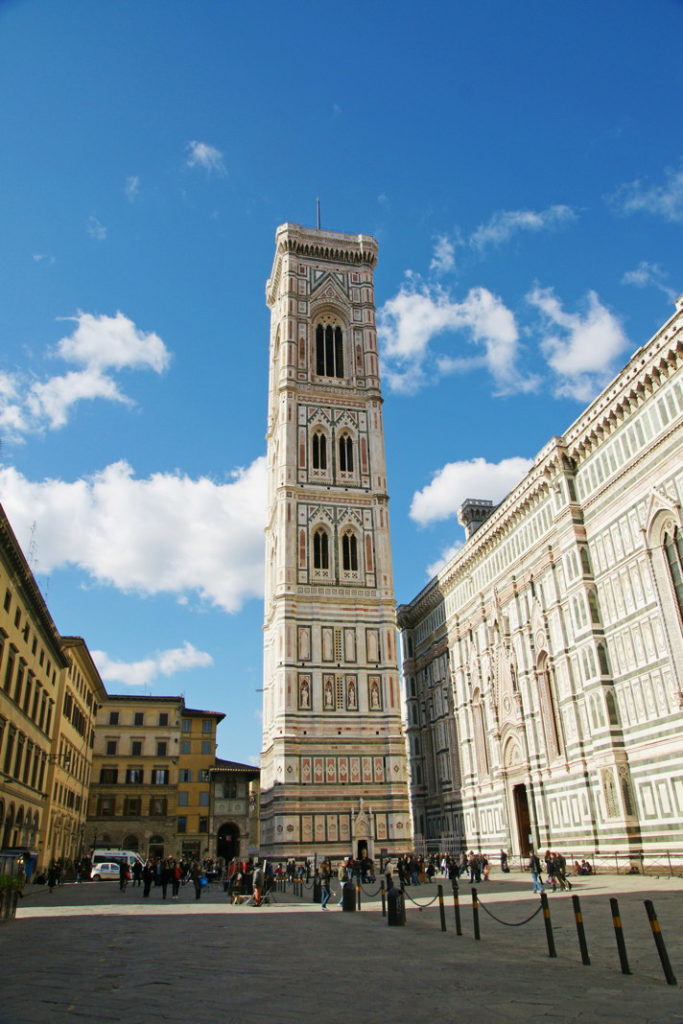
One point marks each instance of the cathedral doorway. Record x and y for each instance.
(228, 841)
(523, 818)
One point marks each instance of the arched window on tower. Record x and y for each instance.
(350, 552)
(319, 453)
(329, 351)
(673, 549)
(321, 549)
(345, 454)
(551, 731)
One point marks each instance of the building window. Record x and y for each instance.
(160, 776)
(203, 799)
(350, 552)
(185, 775)
(203, 824)
(182, 825)
(134, 776)
(157, 805)
(113, 718)
(139, 718)
(111, 748)
(673, 549)
(346, 454)
(185, 747)
(206, 725)
(108, 776)
(162, 746)
(163, 718)
(132, 805)
(187, 725)
(319, 453)
(183, 799)
(548, 709)
(229, 790)
(136, 748)
(206, 747)
(8, 600)
(106, 806)
(321, 549)
(329, 351)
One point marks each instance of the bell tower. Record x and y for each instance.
(333, 765)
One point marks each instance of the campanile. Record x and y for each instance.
(333, 765)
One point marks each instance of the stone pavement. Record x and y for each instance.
(92, 954)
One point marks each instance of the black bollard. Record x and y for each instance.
(659, 943)
(442, 910)
(619, 934)
(548, 925)
(578, 917)
(475, 914)
(456, 907)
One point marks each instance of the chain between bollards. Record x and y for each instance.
(659, 943)
(548, 925)
(475, 914)
(442, 909)
(578, 917)
(619, 934)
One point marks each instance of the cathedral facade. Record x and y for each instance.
(543, 665)
(333, 765)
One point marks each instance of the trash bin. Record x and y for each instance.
(317, 887)
(396, 907)
(349, 896)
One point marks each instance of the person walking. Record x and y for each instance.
(196, 878)
(535, 869)
(325, 873)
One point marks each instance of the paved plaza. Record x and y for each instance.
(107, 956)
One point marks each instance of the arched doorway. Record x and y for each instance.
(523, 819)
(156, 846)
(228, 841)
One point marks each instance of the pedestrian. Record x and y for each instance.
(147, 877)
(197, 877)
(504, 865)
(124, 875)
(257, 883)
(325, 873)
(343, 876)
(535, 869)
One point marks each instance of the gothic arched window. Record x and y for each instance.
(319, 450)
(329, 351)
(350, 552)
(548, 711)
(321, 549)
(345, 454)
(673, 549)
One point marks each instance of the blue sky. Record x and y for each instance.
(521, 167)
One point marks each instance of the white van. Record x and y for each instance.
(100, 856)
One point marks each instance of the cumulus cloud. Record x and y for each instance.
(581, 349)
(132, 187)
(505, 223)
(443, 260)
(662, 200)
(443, 559)
(144, 672)
(96, 229)
(42, 257)
(456, 481)
(163, 534)
(98, 346)
(419, 313)
(201, 154)
(649, 275)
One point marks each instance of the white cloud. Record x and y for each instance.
(144, 672)
(42, 257)
(662, 200)
(132, 187)
(505, 223)
(443, 559)
(456, 481)
(584, 349)
(98, 345)
(164, 534)
(201, 154)
(96, 229)
(410, 322)
(649, 274)
(443, 260)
